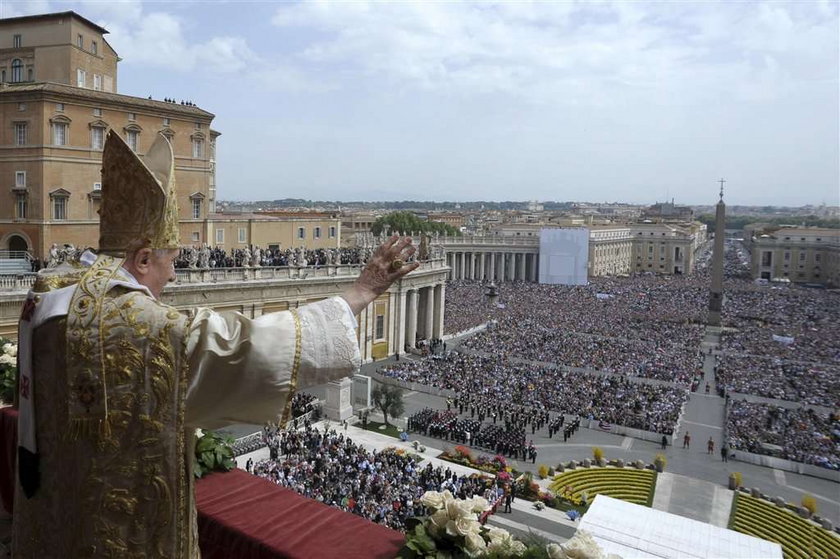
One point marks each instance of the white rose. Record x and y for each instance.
(199, 433)
(474, 544)
(498, 536)
(554, 551)
(582, 546)
(458, 509)
(432, 500)
(447, 496)
(7, 360)
(438, 521)
(479, 504)
(463, 526)
(10, 349)
(517, 547)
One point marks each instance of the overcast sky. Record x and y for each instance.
(595, 101)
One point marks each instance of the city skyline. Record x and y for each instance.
(496, 101)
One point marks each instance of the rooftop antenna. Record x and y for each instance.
(721, 181)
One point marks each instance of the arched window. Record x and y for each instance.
(17, 70)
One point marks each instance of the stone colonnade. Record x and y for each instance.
(494, 265)
(420, 316)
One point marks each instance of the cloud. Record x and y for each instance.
(564, 52)
(158, 38)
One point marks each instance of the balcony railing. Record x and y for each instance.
(495, 240)
(189, 276)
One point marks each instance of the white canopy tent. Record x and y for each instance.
(633, 531)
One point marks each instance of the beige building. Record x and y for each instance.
(512, 252)
(58, 100)
(797, 254)
(273, 230)
(610, 251)
(666, 248)
(353, 223)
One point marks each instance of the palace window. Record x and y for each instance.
(20, 205)
(59, 204)
(20, 133)
(80, 41)
(379, 332)
(197, 148)
(20, 179)
(97, 137)
(94, 48)
(317, 233)
(301, 233)
(97, 82)
(59, 133)
(131, 139)
(332, 232)
(81, 77)
(243, 237)
(97, 111)
(220, 236)
(17, 70)
(196, 208)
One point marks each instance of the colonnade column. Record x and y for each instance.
(510, 264)
(402, 322)
(470, 265)
(440, 307)
(463, 275)
(535, 277)
(482, 275)
(522, 266)
(411, 330)
(492, 266)
(428, 330)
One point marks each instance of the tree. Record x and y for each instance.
(389, 399)
(407, 223)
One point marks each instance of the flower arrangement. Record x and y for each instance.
(452, 530)
(8, 370)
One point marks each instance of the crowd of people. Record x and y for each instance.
(642, 326)
(506, 439)
(771, 377)
(383, 486)
(781, 341)
(216, 257)
(500, 382)
(798, 434)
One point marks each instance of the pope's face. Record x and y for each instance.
(161, 271)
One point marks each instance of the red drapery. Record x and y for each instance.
(245, 517)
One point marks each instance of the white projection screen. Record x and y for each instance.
(564, 256)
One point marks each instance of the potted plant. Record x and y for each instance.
(659, 462)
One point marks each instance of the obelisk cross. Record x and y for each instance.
(721, 181)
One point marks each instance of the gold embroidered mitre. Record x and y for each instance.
(139, 204)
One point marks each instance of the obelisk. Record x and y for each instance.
(716, 298)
